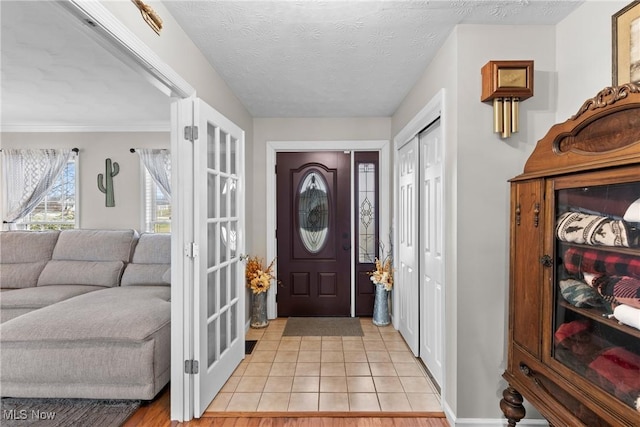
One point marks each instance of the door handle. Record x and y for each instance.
(346, 247)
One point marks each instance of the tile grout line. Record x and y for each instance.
(380, 337)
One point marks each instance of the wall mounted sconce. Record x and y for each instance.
(506, 84)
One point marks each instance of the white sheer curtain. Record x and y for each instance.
(158, 163)
(27, 177)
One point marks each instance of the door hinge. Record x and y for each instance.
(276, 298)
(191, 367)
(191, 133)
(191, 250)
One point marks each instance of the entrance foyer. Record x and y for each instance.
(373, 373)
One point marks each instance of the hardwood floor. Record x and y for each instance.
(157, 414)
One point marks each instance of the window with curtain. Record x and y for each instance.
(157, 207)
(156, 164)
(57, 210)
(39, 188)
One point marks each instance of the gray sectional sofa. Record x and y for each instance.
(85, 314)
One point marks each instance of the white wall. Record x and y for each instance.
(479, 164)
(583, 44)
(94, 149)
(485, 164)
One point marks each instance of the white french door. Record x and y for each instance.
(219, 306)
(431, 249)
(407, 265)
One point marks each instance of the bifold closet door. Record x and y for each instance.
(407, 278)
(431, 214)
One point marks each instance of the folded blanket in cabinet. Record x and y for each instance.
(578, 261)
(627, 315)
(617, 371)
(583, 228)
(619, 289)
(576, 346)
(579, 294)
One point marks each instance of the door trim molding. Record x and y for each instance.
(429, 113)
(383, 146)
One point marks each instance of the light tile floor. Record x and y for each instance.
(376, 372)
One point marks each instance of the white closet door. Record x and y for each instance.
(431, 249)
(406, 275)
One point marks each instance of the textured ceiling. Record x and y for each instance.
(336, 58)
(281, 58)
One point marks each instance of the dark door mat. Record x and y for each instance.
(323, 326)
(249, 345)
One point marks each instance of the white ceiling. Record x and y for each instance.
(56, 76)
(281, 58)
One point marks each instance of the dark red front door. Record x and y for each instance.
(314, 240)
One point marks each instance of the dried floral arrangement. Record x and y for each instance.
(258, 276)
(383, 274)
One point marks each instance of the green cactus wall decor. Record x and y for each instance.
(106, 185)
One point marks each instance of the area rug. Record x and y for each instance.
(66, 412)
(323, 326)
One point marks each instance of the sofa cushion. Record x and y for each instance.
(145, 274)
(130, 314)
(23, 255)
(113, 343)
(152, 248)
(20, 275)
(151, 261)
(20, 301)
(95, 245)
(89, 257)
(95, 273)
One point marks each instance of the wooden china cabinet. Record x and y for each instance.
(574, 297)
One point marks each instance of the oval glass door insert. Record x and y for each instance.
(313, 211)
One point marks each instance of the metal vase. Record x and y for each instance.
(259, 310)
(381, 306)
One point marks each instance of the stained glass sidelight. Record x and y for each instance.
(313, 211)
(366, 210)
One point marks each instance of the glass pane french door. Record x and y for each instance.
(218, 229)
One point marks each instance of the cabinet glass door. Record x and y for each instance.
(596, 318)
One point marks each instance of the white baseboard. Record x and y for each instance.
(496, 422)
(486, 422)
